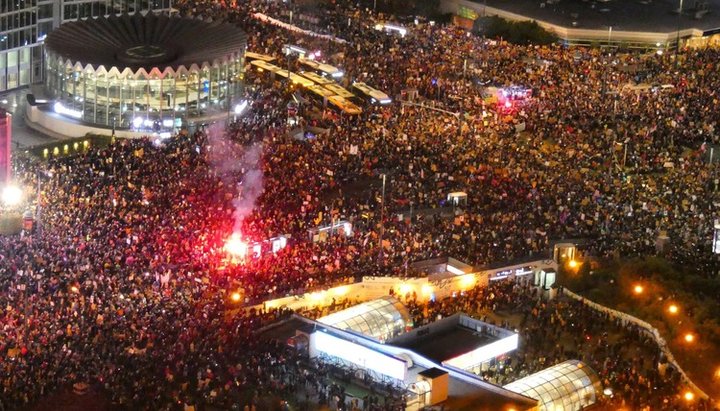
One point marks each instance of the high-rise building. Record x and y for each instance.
(25, 23)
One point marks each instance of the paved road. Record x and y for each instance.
(23, 136)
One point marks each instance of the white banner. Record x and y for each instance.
(627, 318)
(286, 26)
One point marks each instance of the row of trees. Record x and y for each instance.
(430, 9)
(516, 32)
(695, 295)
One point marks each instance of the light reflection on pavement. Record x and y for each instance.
(22, 136)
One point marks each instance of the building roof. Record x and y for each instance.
(439, 268)
(466, 391)
(643, 15)
(381, 319)
(570, 385)
(432, 372)
(449, 343)
(145, 42)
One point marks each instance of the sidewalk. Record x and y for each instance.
(22, 136)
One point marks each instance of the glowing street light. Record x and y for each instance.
(573, 264)
(689, 338)
(11, 195)
(689, 396)
(673, 309)
(235, 296)
(638, 289)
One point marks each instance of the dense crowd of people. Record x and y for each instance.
(603, 156)
(627, 360)
(125, 281)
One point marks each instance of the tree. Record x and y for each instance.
(516, 32)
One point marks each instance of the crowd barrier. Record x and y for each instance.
(428, 287)
(627, 318)
(286, 26)
(434, 286)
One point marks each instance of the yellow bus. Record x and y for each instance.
(249, 55)
(320, 91)
(318, 79)
(261, 65)
(321, 68)
(372, 94)
(337, 89)
(344, 105)
(271, 68)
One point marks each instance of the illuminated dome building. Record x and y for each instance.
(144, 73)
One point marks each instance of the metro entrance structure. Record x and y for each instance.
(441, 362)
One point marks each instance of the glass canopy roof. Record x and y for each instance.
(381, 319)
(568, 386)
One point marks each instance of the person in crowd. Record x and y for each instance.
(125, 282)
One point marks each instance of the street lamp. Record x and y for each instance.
(673, 309)
(382, 216)
(12, 195)
(689, 338)
(38, 207)
(638, 289)
(689, 396)
(677, 38)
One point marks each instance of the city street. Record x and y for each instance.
(22, 135)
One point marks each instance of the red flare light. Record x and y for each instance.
(235, 246)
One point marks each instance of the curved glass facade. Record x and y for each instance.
(143, 100)
(382, 319)
(24, 24)
(568, 386)
(145, 72)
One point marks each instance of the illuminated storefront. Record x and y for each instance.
(352, 353)
(460, 342)
(480, 359)
(148, 73)
(570, 385)
(381, 319)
